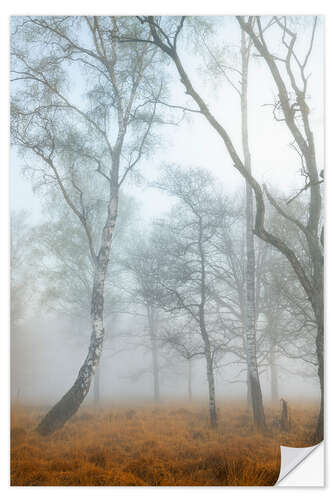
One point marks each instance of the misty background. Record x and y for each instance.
(50, 341)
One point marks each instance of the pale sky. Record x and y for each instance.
(195, 143)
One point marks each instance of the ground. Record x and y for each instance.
(162, 445)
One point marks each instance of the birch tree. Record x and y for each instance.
(82, 113)
(184, 246)
(141, 263)
(289, 73)
(180, 341)
(248, 308)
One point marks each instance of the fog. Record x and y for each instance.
(125, 377)
(154, 292)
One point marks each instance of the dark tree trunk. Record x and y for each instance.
(209, 370)
(211, 390)
(17, 396)
(248, 391)
(204, 333)
(156, 375)
(284, 420)
(189, 378)
(319, 433)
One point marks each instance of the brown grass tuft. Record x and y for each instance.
(155, 445)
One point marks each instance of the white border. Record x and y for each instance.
(307, 471)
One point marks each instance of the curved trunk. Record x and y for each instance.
(71, 401)
(97, 385)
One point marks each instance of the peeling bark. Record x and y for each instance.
(253, 374)
(313, 284)
(97, 385)
(71, 401)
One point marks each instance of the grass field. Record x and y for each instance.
(164, 445)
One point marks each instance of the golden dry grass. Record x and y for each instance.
(154, 445)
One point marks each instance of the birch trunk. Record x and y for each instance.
(97, 385)
(319, 433)
(304, 138)
(209, 369)
(306, 147)
(203, 330)
(71, 401)
(253, 375)
(211, 389)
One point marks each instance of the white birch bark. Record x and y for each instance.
(154, 351)
(71, 401)
(253, 375)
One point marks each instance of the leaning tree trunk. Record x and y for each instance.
(253, 374)
(71, 401)
(97, 385)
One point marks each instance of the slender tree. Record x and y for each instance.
(180, 339)
(253, 375)
(75, 143)
(163, 33)
(185, 248)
